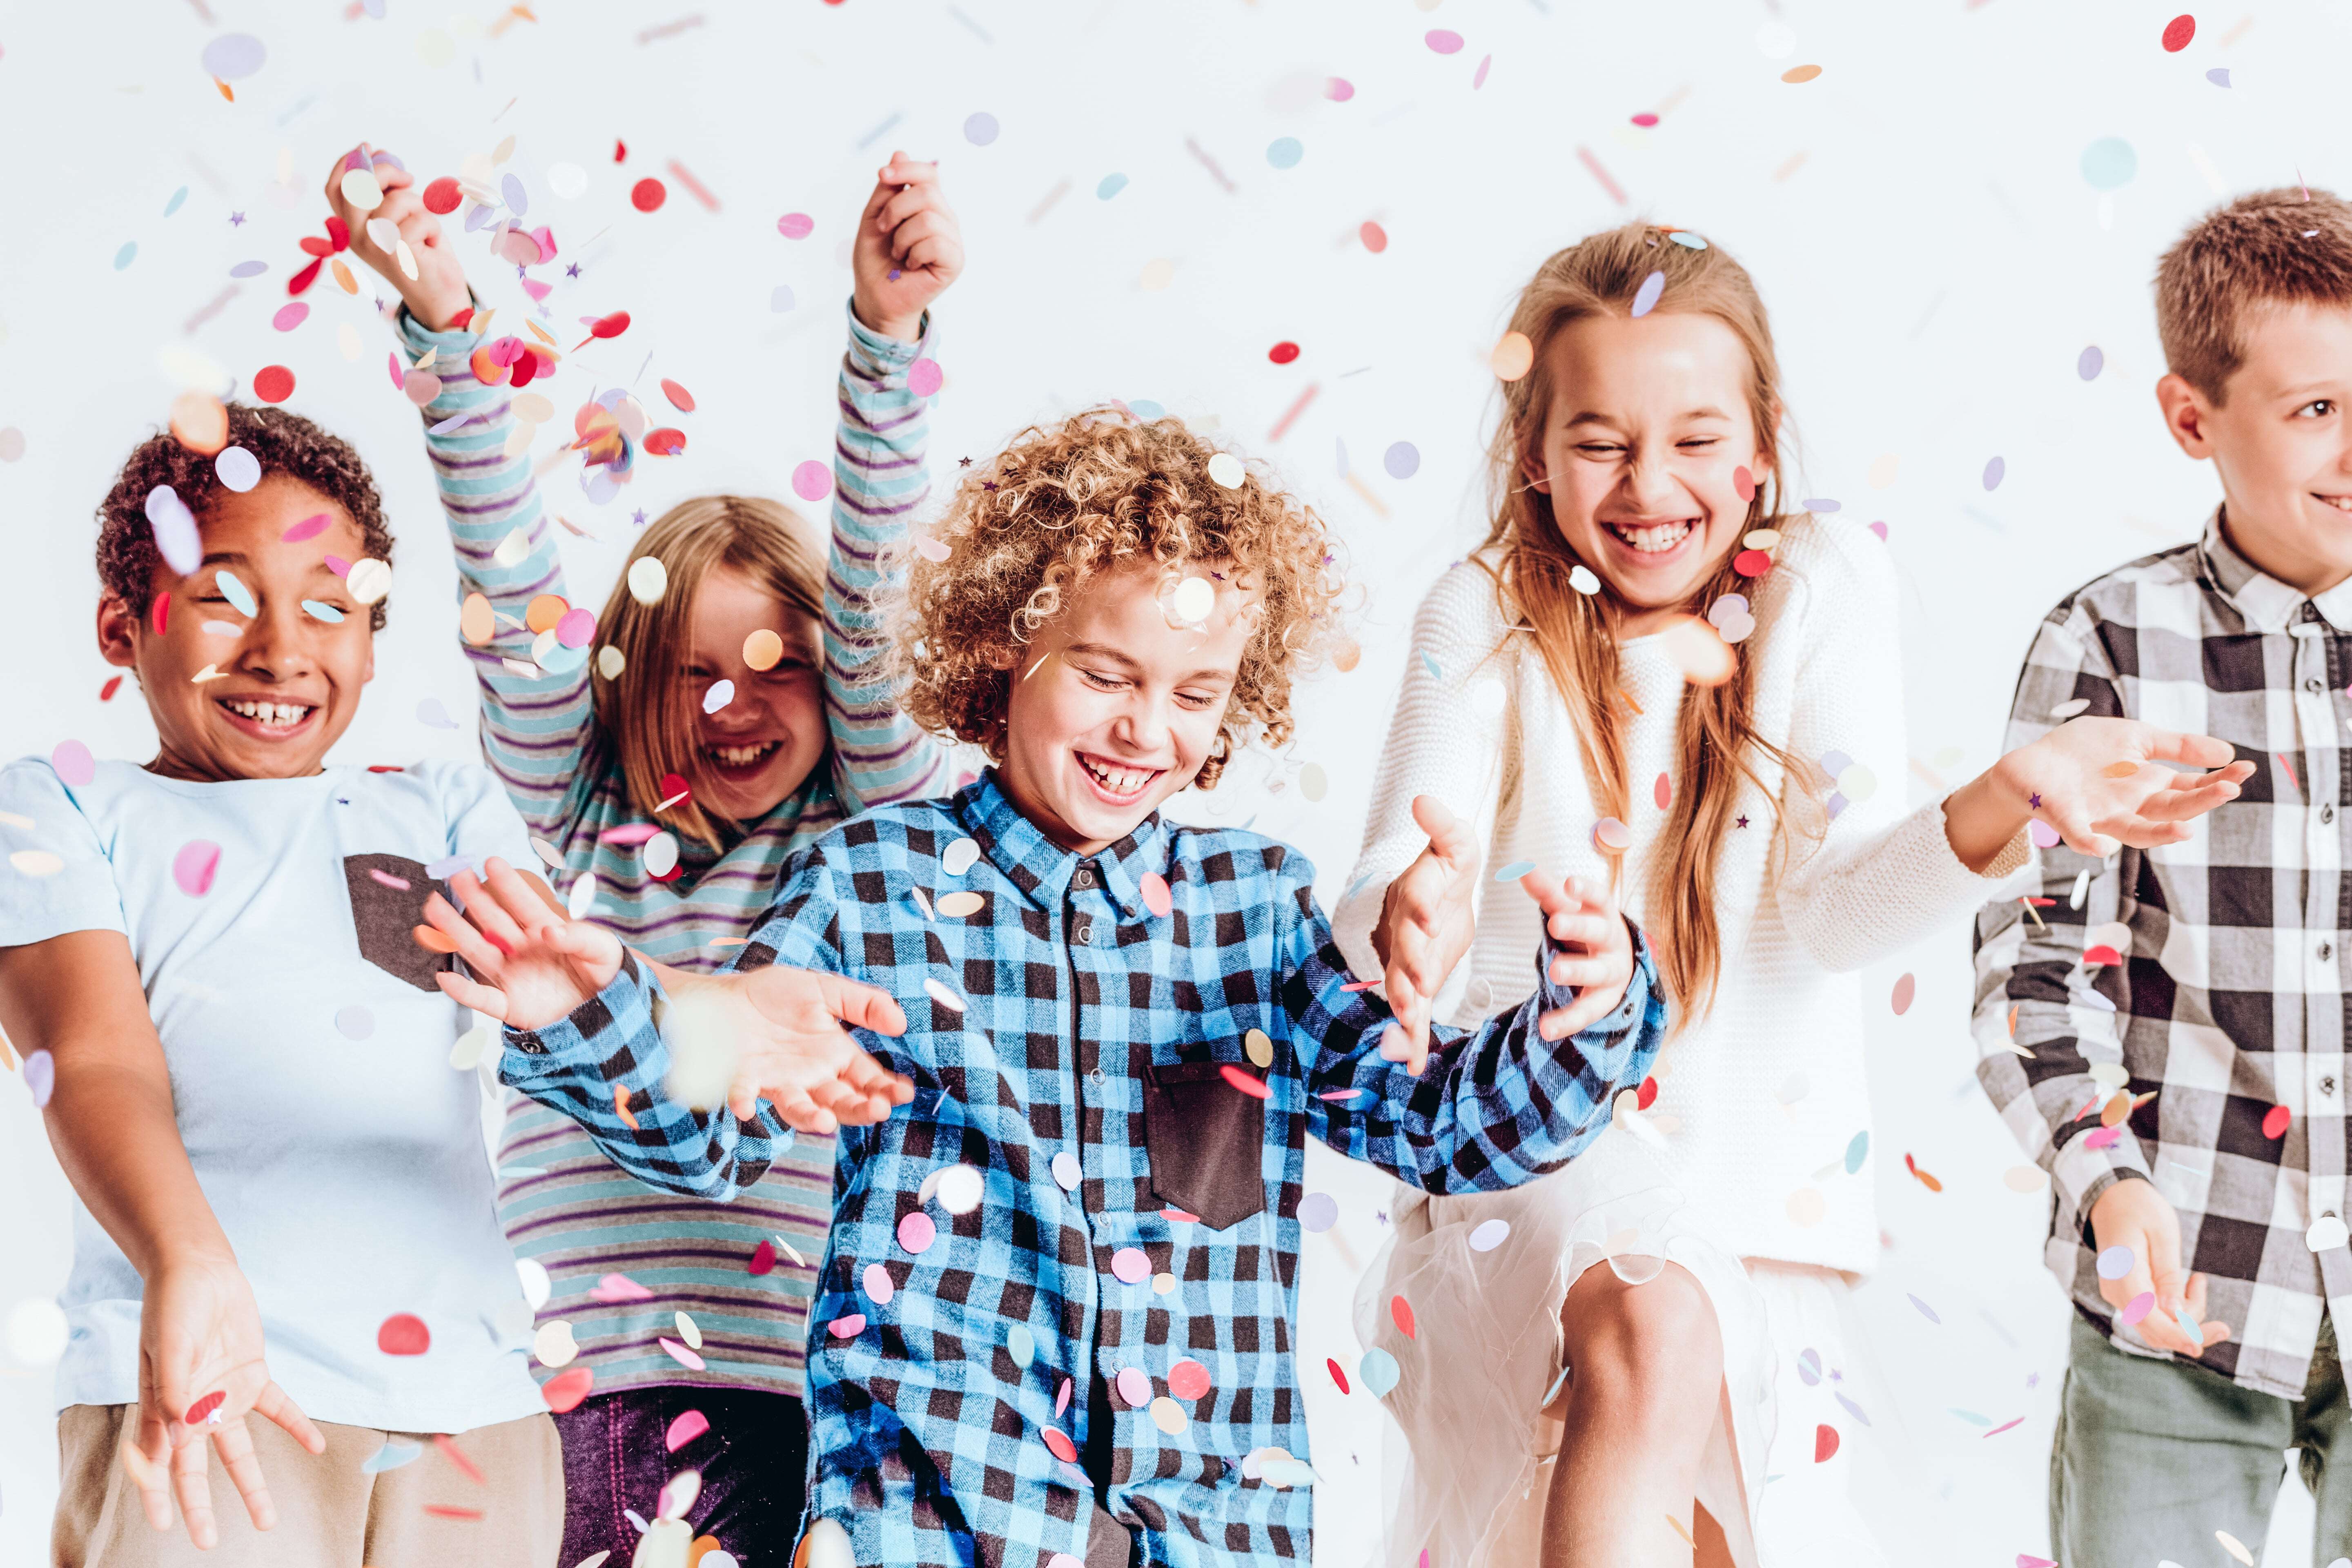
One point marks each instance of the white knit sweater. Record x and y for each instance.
(1760, 1101)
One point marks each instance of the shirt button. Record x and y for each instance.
(1083, 878)
(1095, 1076)
(2327, 1084)
(2327, 950)
(2314, 685)
(2327, 814)
(1083, 931)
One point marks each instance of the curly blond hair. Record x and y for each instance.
(1097, 492)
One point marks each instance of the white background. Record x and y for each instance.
(1917, 219)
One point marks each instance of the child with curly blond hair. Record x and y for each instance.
(1060, 1289)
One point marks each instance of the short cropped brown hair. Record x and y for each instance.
(1095, 492)
(2282, 246)
(286, 444)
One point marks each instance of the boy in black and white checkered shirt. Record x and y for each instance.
(2179, 1014)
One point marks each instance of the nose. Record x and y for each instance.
(1144, 725)
(1650, 483)
(277, 646)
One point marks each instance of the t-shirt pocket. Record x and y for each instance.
(388, 894)
(1205, 1141)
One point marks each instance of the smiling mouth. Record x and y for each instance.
(1123, 782)
(270, 718)
(741, 759)
(1653, 538)
(2341, 503)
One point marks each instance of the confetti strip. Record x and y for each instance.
(1055, 195)
(1294, 410)
(1796, 162)
(694, 187)
(1211, 164)
(1584, 155)
(671, 29)
(220, 302)
(1369, 498)
(877, 133)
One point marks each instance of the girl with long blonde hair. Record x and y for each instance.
(1655, 676)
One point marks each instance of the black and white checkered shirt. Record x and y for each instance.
(2231, 996)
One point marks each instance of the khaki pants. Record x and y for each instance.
(331, 1514)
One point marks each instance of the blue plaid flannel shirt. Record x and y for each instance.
(974, 1399)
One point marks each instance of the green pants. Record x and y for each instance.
(2153, 1457)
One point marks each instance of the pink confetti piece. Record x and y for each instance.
(1156, 897)
(1340, 1094)
(619, 1287)
(2004, 1427)
(690, 1425)
(1441, 41)
(917, 1232)
(1062, 1400)
(1478, 80)
(683, 1356)
(193, 865)
(924, 377)
(290, 315)
(310, 527)
(399, 884)
(847, 1328)
(811, 480)
(1131, 1264)
(628, 833)
(1360, 985)
(2139, 1307)
(795, 226)
(73, 764)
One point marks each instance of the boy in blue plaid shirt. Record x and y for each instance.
(1060, 1286)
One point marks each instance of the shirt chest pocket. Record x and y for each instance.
(388, 894)
(1205, 1141)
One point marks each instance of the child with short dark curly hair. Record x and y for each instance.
(1059, 1294)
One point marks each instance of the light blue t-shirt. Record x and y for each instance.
(309, 1051)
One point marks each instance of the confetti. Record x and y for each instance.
(1284, 152)
(680, 1355)
(1825, 1443)
(618, 1287)
(1906, 989)
(2275, 1120)
(193, 865)
(41, 1077)
(2139, 1307)
(721, 693)
(402, 1333)
(1442, 41)
(1226, 471)
(811, 480)
(1798, 74)
(959, 856)
(1403, 461)
(2115, 1262)
(917, 1232)
(1111, 185)
(1513, 355)
(73, 764)
(1155, 896)
(1400, 1312)
(1338, 1377)
(1489, 1236)
(1645, 299)
(565, 1390)
(847, 1328)
(1131, 1264)
(1379, 1372)
(1188, 1379)
(960, 903)
(648, 194)
(1242, 1079)
(647, 579)
(2178, 33)
(2108, 164)
(878, 1288)
(1318, 1212)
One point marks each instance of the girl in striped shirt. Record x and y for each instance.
(634, 768)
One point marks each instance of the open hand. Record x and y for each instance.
(909, 249)
(2133, 1213)
(1581, 916)
(200, 1335)
(438, 290)
(2098, 782)
(537, 962)
(788, 1030)
(1427, 919)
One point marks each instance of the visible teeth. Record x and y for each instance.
(1118, 781)
(2341, 503)
(1653, 538)
(279, 714)
(741, 756)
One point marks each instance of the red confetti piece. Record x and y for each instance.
(1188, 1379)
(160, 614)
(1282, 353)
(1743, 483)
(1645, 119)
(620, 151)
(1337, 1375)
(1402, 1311)
(1156, 897)
(314, 246)
(565, 1390)
(763, 1258)
(304, 278)
(694, 187)
(2275, 1120)
(404, 1334)
(1927, 1181)
(680, 399)
(666, 442)
(610, 326)
(106, 692)
(647, 194)
(1179, 1216)
(2178, 32)
(442, 1510)
(1375, 237)
(1061, 1447)
(1751, 562)
(1825, 1442)
(338, 233)
(273, 384)
(1244, 1081)
(1663, 792)
(1647, 1095)
(2102, 953)
(204, 1407)
(2287, 768)
(442, 196)
(457, 1456)
(1359, 985)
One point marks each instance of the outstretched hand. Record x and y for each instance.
(536, 964)
(2133, 1215)
(1427, 919)
(909, 249)
(435, 292)
(200, 1372)
(2098, 782)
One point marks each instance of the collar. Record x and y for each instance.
(1041, 869)
(2267, 604)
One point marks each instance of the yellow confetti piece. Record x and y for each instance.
(1801, 73)
(1681, 1531)
(1260, 1048)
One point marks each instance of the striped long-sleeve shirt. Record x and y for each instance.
(562, 1202)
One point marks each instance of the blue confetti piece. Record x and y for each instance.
(517, 199)
(450, 866)
(1431, 665)
(508, 1172)
(1553, 1391)
(1855, 1410)
(1111, 185)
(127, 255)
(1021, 1345)
(2188, 1325)
(1855, 1153)
(233, 590)
(1645, 299)
(1970, 1417)
(1688, 240)
(327, 612)
(390, 1457)
(1925, 1311)
(2089, 363)
(1515, 870)
(1143, 408)
(1378, 1372)
(2109, 163)
(1284, 152)
(173, 205)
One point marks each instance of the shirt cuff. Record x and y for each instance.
(885, 359)
(593, 1036)
(458, 341)
(2083, 1174)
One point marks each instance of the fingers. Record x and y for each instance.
(2199, 751)
(1452, 839)
(860, 1005)
(235, 1445)
(485, 955)
(909, 201)
(924, 226)
(143, 1450)
(192, 1483)
(472, 994)
(275, 1405)
(1396, 1046)
(516, 900)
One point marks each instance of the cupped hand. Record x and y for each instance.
(909, 249)
(1427, 919)
(532, 963)
(2098, 782)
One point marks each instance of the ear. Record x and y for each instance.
(118, 632)
(1531, 464)
(2186, 416)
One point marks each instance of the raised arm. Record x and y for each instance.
(907, 251)
(536, 723)
(1495, 1106)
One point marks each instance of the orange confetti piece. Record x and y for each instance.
(1925, 1180)
(2120, 770)
(226, 91)
(432, 941)
(621, 1106)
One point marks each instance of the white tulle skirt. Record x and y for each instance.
(1469, 1466)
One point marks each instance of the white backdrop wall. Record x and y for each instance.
(1918, 217)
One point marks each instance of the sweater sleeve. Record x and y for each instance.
(2030, 967)
(535, 721)
(1449, 738)
(880, 482)
(1873, 878)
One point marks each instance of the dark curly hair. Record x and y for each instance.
(285, 442)
(1098, 491)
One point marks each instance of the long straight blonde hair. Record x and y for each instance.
(1577, 634)
(645, 717)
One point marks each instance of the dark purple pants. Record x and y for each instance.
(753, 1460)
